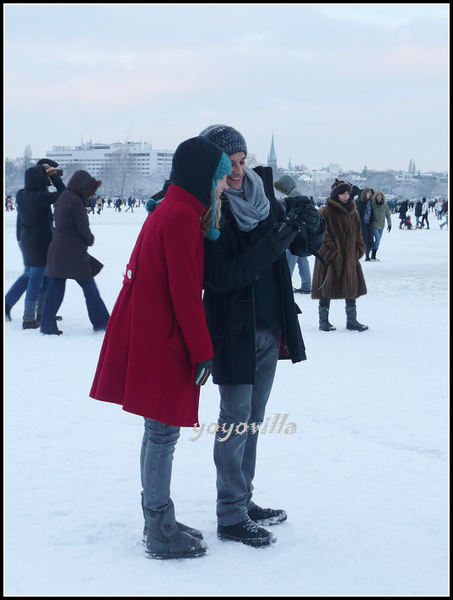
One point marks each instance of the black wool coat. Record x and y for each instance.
(232, 266)
(34, 219)
(68, 257)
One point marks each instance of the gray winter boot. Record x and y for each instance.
(29, 320)
(185, 528)
(324, 324)
(351, 320)
(164, 540)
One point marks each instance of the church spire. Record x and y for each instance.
(272, 158)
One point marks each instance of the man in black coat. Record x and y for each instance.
(252, 319)
(35, 214)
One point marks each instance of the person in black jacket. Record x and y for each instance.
(366, 216)
(253, 320)
(34, 211)
(403, 212)
(19, 286)
(68, 258)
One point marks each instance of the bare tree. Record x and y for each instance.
(27, 157)
(411, 168)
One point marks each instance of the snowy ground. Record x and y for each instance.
(360, 464)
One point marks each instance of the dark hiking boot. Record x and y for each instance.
(266, 516)
(7, 312)
(30, 324)
(247, 532)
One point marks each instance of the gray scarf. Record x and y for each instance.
(249, 205)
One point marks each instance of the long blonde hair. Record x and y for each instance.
(205, 218)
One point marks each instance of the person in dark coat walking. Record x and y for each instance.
(35, 214)
(68, 258)
(20, 285)
(251, 314)
(403, 212)
(363, 205)
(157, 350)
(343, 247)
(418, 213)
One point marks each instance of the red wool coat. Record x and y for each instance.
(157, 332)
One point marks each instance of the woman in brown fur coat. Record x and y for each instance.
(342, 249)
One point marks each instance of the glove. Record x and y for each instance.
(389, 228)
(281, 237)
(203, 371)
(304, 212)
(308, 215)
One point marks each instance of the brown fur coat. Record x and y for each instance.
(343, 247)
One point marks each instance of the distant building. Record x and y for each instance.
(94, 158)
(272, 158)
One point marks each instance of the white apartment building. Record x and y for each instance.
(96, 157)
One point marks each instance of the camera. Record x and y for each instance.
(295, 208)
(59, 172)
(301, 212)
(297, 203)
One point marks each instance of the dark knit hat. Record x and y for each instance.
(339, 187)
(226, 138)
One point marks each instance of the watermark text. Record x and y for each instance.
(277, 424)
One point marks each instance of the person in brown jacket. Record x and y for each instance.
(343, 247)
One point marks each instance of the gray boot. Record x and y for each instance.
(164, 539)
(185, 528)
(351, 320)
(324, 324)
(29, 320)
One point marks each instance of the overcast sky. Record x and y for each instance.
(354, 84)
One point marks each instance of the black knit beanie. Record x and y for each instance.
(226, 138)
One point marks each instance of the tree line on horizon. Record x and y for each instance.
(120, 179)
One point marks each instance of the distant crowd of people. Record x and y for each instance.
(422, 207)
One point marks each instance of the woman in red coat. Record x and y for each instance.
(157, 350)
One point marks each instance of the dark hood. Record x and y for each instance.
(194, 165)
(83, 184)
(36, 178)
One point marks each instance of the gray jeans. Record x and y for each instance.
(242, 409)
(156, 458)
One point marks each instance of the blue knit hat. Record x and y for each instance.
(223, 168)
